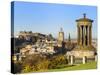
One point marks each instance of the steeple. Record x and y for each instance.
(69, 39)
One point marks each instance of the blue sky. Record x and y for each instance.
(49, 18)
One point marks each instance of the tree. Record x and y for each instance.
(35, 63)
(50, 36)
(57, 60)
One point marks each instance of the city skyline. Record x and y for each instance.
(48, 18)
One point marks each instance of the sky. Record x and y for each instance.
(48, 18)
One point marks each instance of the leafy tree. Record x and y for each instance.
(41, 63)
(57, 60)
(35, 63)
(50, 37)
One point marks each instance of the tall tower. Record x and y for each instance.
(69, 39)
(84, 33)
(60, 37)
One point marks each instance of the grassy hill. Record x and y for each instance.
(91, 65)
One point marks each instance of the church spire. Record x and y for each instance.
(69, 39)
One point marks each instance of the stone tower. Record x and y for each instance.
(60, 37)
(84, 33)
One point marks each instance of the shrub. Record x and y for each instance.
(56, 61)
(27, 68)
(41, 63)
(35, 63)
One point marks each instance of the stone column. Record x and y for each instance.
(84, 29)
(88, 35)
(80, 35)
(77, 35)
(84, 59)
(72, 59)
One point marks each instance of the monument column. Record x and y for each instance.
(90, 35)
(85, 35)
(84, 29)
(80, 35)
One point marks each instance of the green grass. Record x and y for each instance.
(91, 65)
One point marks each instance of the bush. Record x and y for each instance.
(43, 65)
(56, 61)
(40, 63)
(35, 63)
(27, 68)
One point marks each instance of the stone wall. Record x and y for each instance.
(81, 53)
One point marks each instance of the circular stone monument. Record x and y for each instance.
(84, 41)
